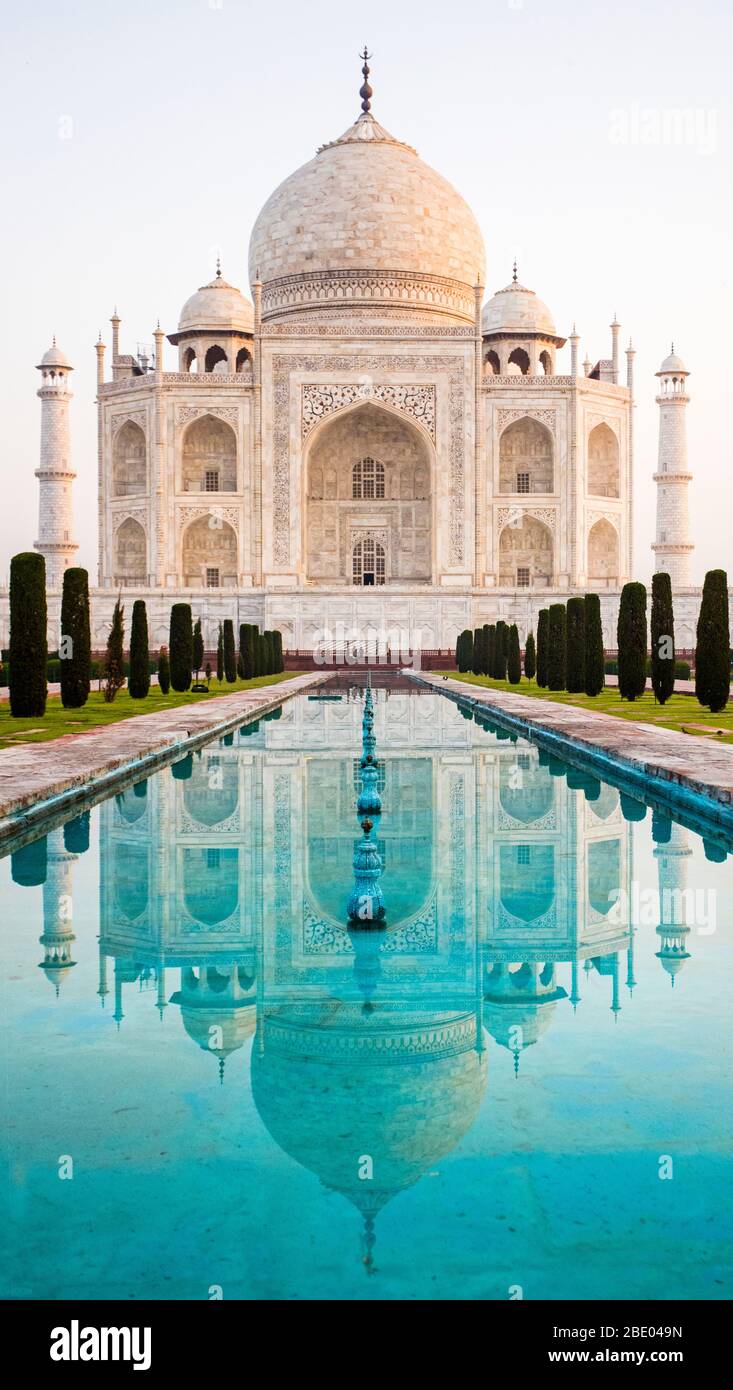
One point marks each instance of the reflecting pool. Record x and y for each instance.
(219, 1085)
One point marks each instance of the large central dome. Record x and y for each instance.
(366, 226)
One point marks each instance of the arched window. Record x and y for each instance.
(129, 472)
(603, 462)
(492, 365)
(367, 479)
(518, 363)
(368, 564)
(216, 360)
(189, 360)
(545, 362)
(244, 360)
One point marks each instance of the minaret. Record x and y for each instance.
(672, 546)
(55, 524)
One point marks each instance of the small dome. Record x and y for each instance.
(516, 309)
(673, 364)
(215, 307)
(54, 357)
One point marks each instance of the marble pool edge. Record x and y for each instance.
(22, 815)
(675, 791)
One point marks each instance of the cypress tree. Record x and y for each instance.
(491, 649)
(230, 654)
(662, 637)
(465, 653)
(75, 648)
(476, 663)
(262, 654)
(181, 646)
(595, 678)
(220, 655)
(543, 632)
(556, 647)
(575, 674)
(500, 651)
(164, 671)
(458, 653)
(138, 682)
(631, 640)
(712, 653)
(248, 653)
(114, 661)
(514, 656)
(270, 652)
(198, 647)
(28, 645)
(530, 657)
(279, 656)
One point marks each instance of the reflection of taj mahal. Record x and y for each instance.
(224, 883)
(369, 439)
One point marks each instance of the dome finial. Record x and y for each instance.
(365, 91)
(514, 272)
(218, 267)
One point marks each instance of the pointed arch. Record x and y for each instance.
(603, 553)
(603, 462)
(130, 549)
(526, 458)
(129, 463)
(209, 553)
(209, 456)
(526, 557)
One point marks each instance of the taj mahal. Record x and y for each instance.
(370, 439)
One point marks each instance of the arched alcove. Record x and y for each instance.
(210, 883)
(526, 458)
(527, 879)
(130, 552)
(209, 553)
(209, 456)
(216, 359)
(492, 365)
(604, 874)
(130, 874)
(526, 554)
(603, 462)
(518, 364)
(129, 470)
(211, 795)
(603, 553)
(361, 458)
(526, 793)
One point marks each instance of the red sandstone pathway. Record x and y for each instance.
(33, 772)
(698, 764)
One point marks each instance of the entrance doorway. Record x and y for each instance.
(368, 564)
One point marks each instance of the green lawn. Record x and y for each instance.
(681, 712)
(58, 721)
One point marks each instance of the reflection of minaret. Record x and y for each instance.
(57, 912)
(672, 930)
(517, 999)
(216, 1008)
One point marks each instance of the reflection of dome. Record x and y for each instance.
(217, 1008)
(402, 1089)
(217, 306)
(520, 1003)
(366, 223)
(516, 309)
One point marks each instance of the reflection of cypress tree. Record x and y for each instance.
(595, 678)
(140, 789)
(76, 834)
(631, 809)
(712, 653)
(76, 667)
(661, 828)
(543, 632)
(631, 639)
(662, 637)
(28, 865)
(183, 769)
(556, 647)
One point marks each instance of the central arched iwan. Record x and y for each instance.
(368, 467)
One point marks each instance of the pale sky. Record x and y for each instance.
(592, 141)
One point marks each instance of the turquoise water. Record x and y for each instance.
(520, 1084)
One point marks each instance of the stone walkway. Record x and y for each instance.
(68, 768)
(693, 765)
